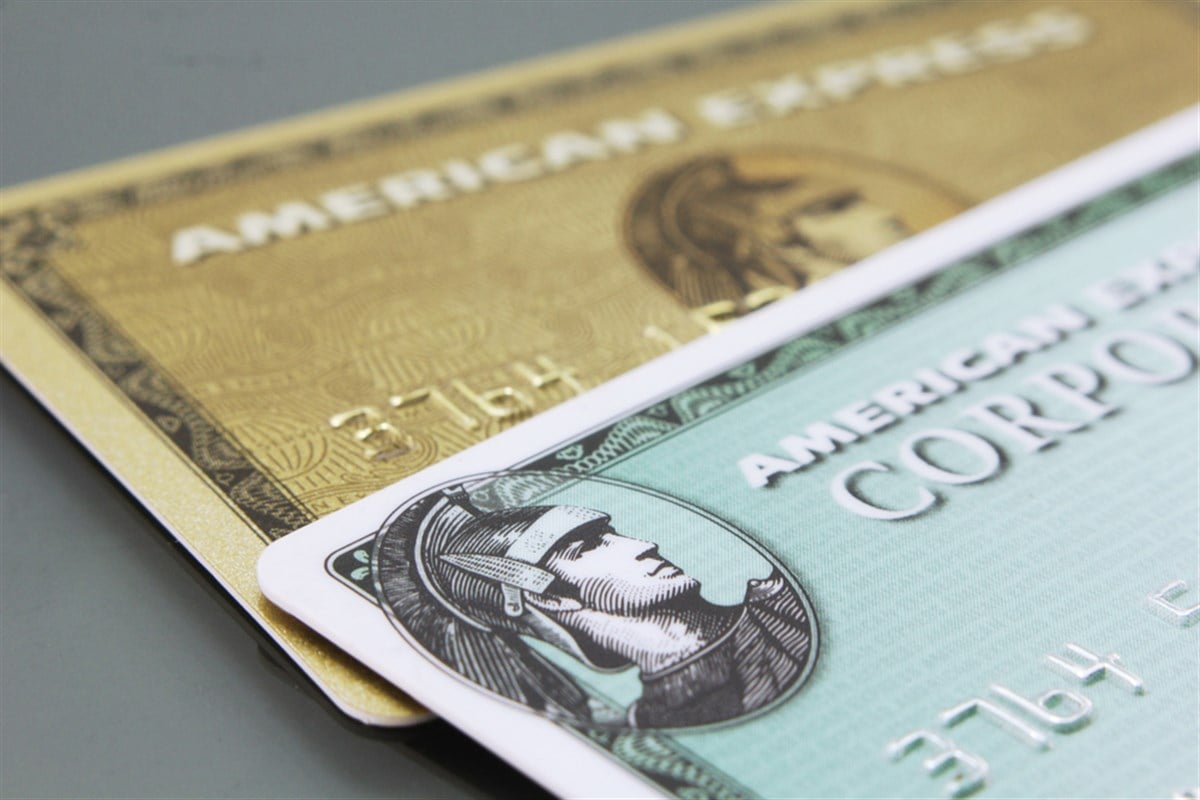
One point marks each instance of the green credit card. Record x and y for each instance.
(932, 528)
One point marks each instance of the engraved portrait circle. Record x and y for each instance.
(593, 601)
(733, 227)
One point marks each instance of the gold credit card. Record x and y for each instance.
(254, 331)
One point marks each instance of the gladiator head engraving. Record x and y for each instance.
(723, 227)
(474, 587)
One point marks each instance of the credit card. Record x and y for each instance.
(929, 528)
(255, 331)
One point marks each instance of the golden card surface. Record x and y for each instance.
(254, 331)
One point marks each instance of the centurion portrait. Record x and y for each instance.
(485, 592)
(746, 228)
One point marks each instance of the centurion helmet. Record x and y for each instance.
(478, 564)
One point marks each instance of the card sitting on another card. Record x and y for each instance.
(254, 331)
(930, 526)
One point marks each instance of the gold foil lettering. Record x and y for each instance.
(380, 439)
(714, 316)
(657, 334)
(499, 403)
(437, 396)
(552, 374)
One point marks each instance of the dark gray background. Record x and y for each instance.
(122, 672)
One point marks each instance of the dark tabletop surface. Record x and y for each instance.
(123, 672)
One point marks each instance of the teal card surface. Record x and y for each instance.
(930, 529)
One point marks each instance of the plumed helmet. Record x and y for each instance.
(452, 577)
(479, 563)
(710, 229)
